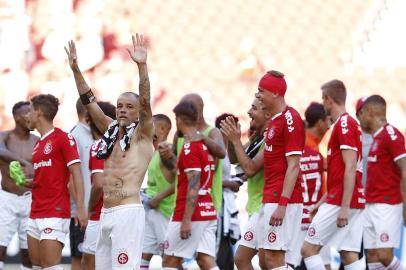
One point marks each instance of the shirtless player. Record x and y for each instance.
(15, 144)
(125, 141)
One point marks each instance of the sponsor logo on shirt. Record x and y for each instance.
(344, 124)
(204, 213)
(43, 163)
(268, 148)
(289, 121)
(391, 133)
(372, 159)
(310, 158)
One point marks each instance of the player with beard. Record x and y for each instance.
(123, 143)
(248, 245)
(385, 186)
(339, 221)
(15, 144)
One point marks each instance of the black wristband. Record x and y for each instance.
(87, 97)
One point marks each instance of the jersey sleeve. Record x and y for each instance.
(294, 134)
(396, 144)
(69, 149)
(95, 165)
(191, 155)
(348, 134)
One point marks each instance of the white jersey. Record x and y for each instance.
(84, 141)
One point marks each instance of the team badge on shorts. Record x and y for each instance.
(311, 231)
(248, 236)
(47, 230)
(122, 258)
(272, 237)
(48, 148)
(384, 237)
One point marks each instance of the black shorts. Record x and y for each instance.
(76, 239)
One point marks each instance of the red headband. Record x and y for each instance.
(360, 104)
(274, 84)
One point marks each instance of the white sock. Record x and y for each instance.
(357, 265)
(215, 268)
(376, 266)
(314, 263)
(35, 267)
(144, 264)
(22, 267)
(55, 267)
(394, 265)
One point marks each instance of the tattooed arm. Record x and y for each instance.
(99, 118)
(139, 56)
(191, 199)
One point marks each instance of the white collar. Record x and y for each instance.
(47, 134)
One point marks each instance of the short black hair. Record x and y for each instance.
(222, 117)
(375, 99)
(186, 110)
(47, 103)
(18, 105)
(163, 118)
(314, 113)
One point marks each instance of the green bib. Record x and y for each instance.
(217, 188)
(255, 190)
(157, 183)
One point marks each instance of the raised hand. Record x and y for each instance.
(139, 52)
(231, 129)
(72, 56)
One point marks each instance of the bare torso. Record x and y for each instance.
(125, 171)
(23, 148)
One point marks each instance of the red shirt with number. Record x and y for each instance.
(51, 157)
(346, 135)
(285, 136)
(311, 169)
(195, 157)
(384, 176)
(96, 166)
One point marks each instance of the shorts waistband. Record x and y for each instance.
(121, 207)
(12, 195)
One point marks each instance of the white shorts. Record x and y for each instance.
(156, 225)
(250, 236)
(202, 239)
(14, 213)
(121, 234)
(294, 256)
(49, 228)
(90, 239)
(383, 223)
(279, 237)
(324, 231)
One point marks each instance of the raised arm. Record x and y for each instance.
(99, 118)
(139, 56)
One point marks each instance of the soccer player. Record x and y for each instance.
(280, 215)
(15, 144)
(385, 189)
(160, 192)
(248, 245)
(54, 158)
(83, 137)
(96, 168)
(123, 143)
(339, 221)
(194, 222)
(213, 140)
(312, 170)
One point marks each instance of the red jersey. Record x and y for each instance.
(285, 136)
(96, 166)
(51, 157)
(346, 135)
(311, 169)
(195, 157)
(384, 176)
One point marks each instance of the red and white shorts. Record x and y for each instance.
(121, 234)
(202, 239)
(279, 237)
(49, 228)
(324, 231)
(383, 224)
(250, 236)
